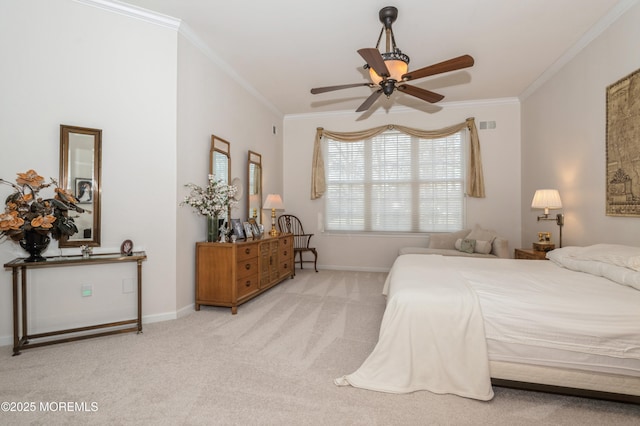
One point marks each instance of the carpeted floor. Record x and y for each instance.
(271, 364)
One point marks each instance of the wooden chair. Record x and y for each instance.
(291, 224)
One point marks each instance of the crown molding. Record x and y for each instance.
(134, 12)
(182, 28)
(605, 22)
(194, 39)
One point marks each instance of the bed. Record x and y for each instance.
(458, 325)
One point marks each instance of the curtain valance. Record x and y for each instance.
(475, 177)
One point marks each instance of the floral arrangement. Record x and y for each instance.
(25, 210)
(213, 200)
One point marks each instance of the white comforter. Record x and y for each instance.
(431, 337)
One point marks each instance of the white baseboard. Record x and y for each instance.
(148, 319)
(351, 268)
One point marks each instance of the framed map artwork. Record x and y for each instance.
(623, 147)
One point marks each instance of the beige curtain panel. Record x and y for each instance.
(475, 178)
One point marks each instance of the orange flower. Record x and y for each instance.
(27, 197)
(10, 221)
(48, 221)
(65, 195)
(31, 178)
(45, 222)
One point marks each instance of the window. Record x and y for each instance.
(395, 183)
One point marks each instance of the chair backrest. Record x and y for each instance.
(290, 224)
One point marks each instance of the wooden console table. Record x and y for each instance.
(19, 269)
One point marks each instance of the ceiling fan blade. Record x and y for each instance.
(425, 95)
(370, 100)
(317, 90)
(373, 58)
(460, 62)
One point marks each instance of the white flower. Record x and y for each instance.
(213, 200)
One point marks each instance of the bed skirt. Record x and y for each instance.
(566, 381)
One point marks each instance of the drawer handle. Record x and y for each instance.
(247, 266)
(286, 266)
(285, 252)
(247, 251)
(247, 284)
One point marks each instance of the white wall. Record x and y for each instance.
(68, 63)
(563, 139)
(157, 100)
(500, 148)
(211, 102)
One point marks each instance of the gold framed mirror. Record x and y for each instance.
(80, 170)
(220, 159)
(220, 164)
(254, 184)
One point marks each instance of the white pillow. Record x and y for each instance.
(614, 254)
(618, 274)
(559, 254)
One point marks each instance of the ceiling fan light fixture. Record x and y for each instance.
(389, 71)
(397, 63)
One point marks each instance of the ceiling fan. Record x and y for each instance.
(389, 71)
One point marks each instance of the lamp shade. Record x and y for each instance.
(547, 199)
(273, 201)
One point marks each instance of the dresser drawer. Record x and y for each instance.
(247, 251)
(247, 267)
(285, 251)
(285, 244)
(247, 285)
(285, 267)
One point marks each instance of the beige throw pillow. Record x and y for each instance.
(446, 240)
(482, 247)
(477, 233)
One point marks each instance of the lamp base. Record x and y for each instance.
(274, 231)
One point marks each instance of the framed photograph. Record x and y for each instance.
(237, 227)
(255, 228)
(84, 190)
(126, 248)
(248, 230)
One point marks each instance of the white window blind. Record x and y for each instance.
(395, 183)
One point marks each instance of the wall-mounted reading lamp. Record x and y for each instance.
(549, 199)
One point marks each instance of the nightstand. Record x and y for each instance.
(530, 254)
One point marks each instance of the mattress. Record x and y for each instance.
(538, 313)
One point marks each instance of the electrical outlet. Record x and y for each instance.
(87, 290)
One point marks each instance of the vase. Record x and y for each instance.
(212, 229)
(35, 243)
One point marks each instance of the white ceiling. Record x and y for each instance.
(283, 48)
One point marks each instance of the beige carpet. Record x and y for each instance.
(271, 364)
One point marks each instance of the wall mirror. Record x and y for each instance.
(80, 168)
(220, 159)
(220, 164)
(254, 183)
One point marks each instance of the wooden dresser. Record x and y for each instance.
(229, 274)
